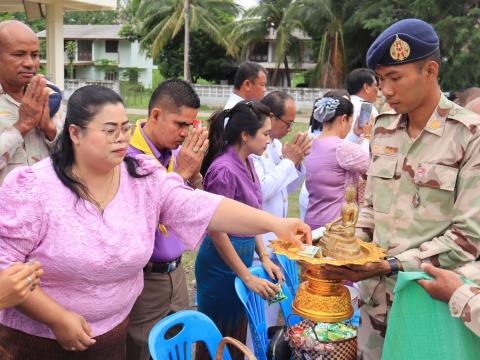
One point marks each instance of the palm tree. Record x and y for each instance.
(278, 17)
(162, 20)
(71, 49)
(324, 19)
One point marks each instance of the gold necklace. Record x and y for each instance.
(89, 197)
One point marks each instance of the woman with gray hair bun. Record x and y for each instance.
(333, 162)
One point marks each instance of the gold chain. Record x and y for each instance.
(89, 197)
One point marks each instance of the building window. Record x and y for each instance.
(111, 75)
(111, 46)
(259, 52)
(84, 49)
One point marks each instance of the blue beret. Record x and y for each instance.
(54, 99)
(404, 42)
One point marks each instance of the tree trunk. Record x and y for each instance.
(186, 49)
(274, 76)
(287, 71)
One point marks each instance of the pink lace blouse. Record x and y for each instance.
(93, 263)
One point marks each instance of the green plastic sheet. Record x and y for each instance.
(422, 328)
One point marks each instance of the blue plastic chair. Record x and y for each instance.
(290, 269)
(197, 327)
(255, 308)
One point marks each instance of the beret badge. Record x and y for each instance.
(399, 50)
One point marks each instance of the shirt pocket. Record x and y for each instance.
(382, 172)
(436, 188)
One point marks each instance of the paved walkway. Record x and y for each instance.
(301, 118)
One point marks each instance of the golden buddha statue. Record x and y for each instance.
(339, 240)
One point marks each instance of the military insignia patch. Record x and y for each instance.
(399, 50)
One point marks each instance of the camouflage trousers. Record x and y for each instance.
(375, 303)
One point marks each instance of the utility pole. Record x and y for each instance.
(186, 49)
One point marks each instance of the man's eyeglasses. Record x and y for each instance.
(289, 124)
(112, 133)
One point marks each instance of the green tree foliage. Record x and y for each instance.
(325, 20)
(456, 22)
(163, 20)
(279, 16)
(212, 64)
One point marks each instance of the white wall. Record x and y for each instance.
(99, 52)
(85, 72)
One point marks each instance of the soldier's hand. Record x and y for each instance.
(190, 156)
(355, 272)
(444, 284)
(32, 104)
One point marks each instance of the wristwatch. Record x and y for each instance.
(394, 266)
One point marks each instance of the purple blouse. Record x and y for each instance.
(93, 263)
(332, 164)
(167, 248)
(228, 176)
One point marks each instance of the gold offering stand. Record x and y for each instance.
(318, 298)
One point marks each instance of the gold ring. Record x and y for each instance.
(195, 149)
(30, 280)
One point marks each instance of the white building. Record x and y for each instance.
(263, 52)
(95, 43)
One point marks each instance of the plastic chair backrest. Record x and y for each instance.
(290, 268)
(197, 327)
(255, 307)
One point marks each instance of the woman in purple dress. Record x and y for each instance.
(234, 135)
(333, 162)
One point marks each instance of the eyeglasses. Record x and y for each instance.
(113, 133)
(288, 123)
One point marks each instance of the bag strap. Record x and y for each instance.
(228, 340)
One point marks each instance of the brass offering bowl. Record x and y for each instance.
(318, 298)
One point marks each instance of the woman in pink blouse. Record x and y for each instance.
(333, 162)
(89, 215)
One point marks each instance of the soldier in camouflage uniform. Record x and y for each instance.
(422, 197)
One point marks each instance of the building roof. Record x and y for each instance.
(88, 32)
(18, 5)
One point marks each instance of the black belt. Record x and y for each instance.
(162, 267)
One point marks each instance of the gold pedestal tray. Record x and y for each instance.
(318, 298)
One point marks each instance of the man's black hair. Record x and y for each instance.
(357, 78)
(173, 94)
(247, 71)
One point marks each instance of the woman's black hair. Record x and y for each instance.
(338, 93)
(82, 106)
(248, 116)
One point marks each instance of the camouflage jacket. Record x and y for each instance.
(15, 149)
(422, 195)
(465, 303)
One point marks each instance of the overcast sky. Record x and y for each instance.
(247, 3)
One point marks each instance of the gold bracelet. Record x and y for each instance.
(262, 254)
